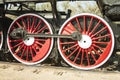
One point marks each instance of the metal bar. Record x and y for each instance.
(49, 35)
(20, 33)
(74, 35)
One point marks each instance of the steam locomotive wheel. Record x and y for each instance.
(1, 39)
(95, 46)
(31, 50)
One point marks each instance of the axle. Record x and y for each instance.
(20, 33)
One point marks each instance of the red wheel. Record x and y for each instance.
(95, 46)
(1, 39)
(32, 50)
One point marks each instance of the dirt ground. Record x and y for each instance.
(17, 71)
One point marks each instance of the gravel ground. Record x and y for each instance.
(16, 71)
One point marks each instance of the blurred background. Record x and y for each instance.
(76, 7)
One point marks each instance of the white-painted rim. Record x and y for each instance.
(26, 63)
(1, 40)
(88, 68)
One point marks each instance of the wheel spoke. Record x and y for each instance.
(70, 47)
(31, 52)
(78, 24)
(88, 60)
(98, 32)
(33, 23)
(95, 27)
(82, 57)
(18, 24)
(92, 54)
(23, 52)
(95, 42)
(34, 49)
(96, 38)
(27, 54)
(17, 45)
(23, 23)
(77, 55)
(38, 25)
(96, 52)
(38, 43)
(93, 57)
(28, 23)
(42, 29)
(16, 40)
(73, 52)
(98, 47)
(84, 24)
(90, 24)
(19, 49)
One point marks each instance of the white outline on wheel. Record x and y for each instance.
(88, 68)
(51, 40)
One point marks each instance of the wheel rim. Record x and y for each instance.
(95, 46)
(1, 39)
(32, 50)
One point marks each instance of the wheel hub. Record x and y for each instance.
(29, 41)
(85, 42)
